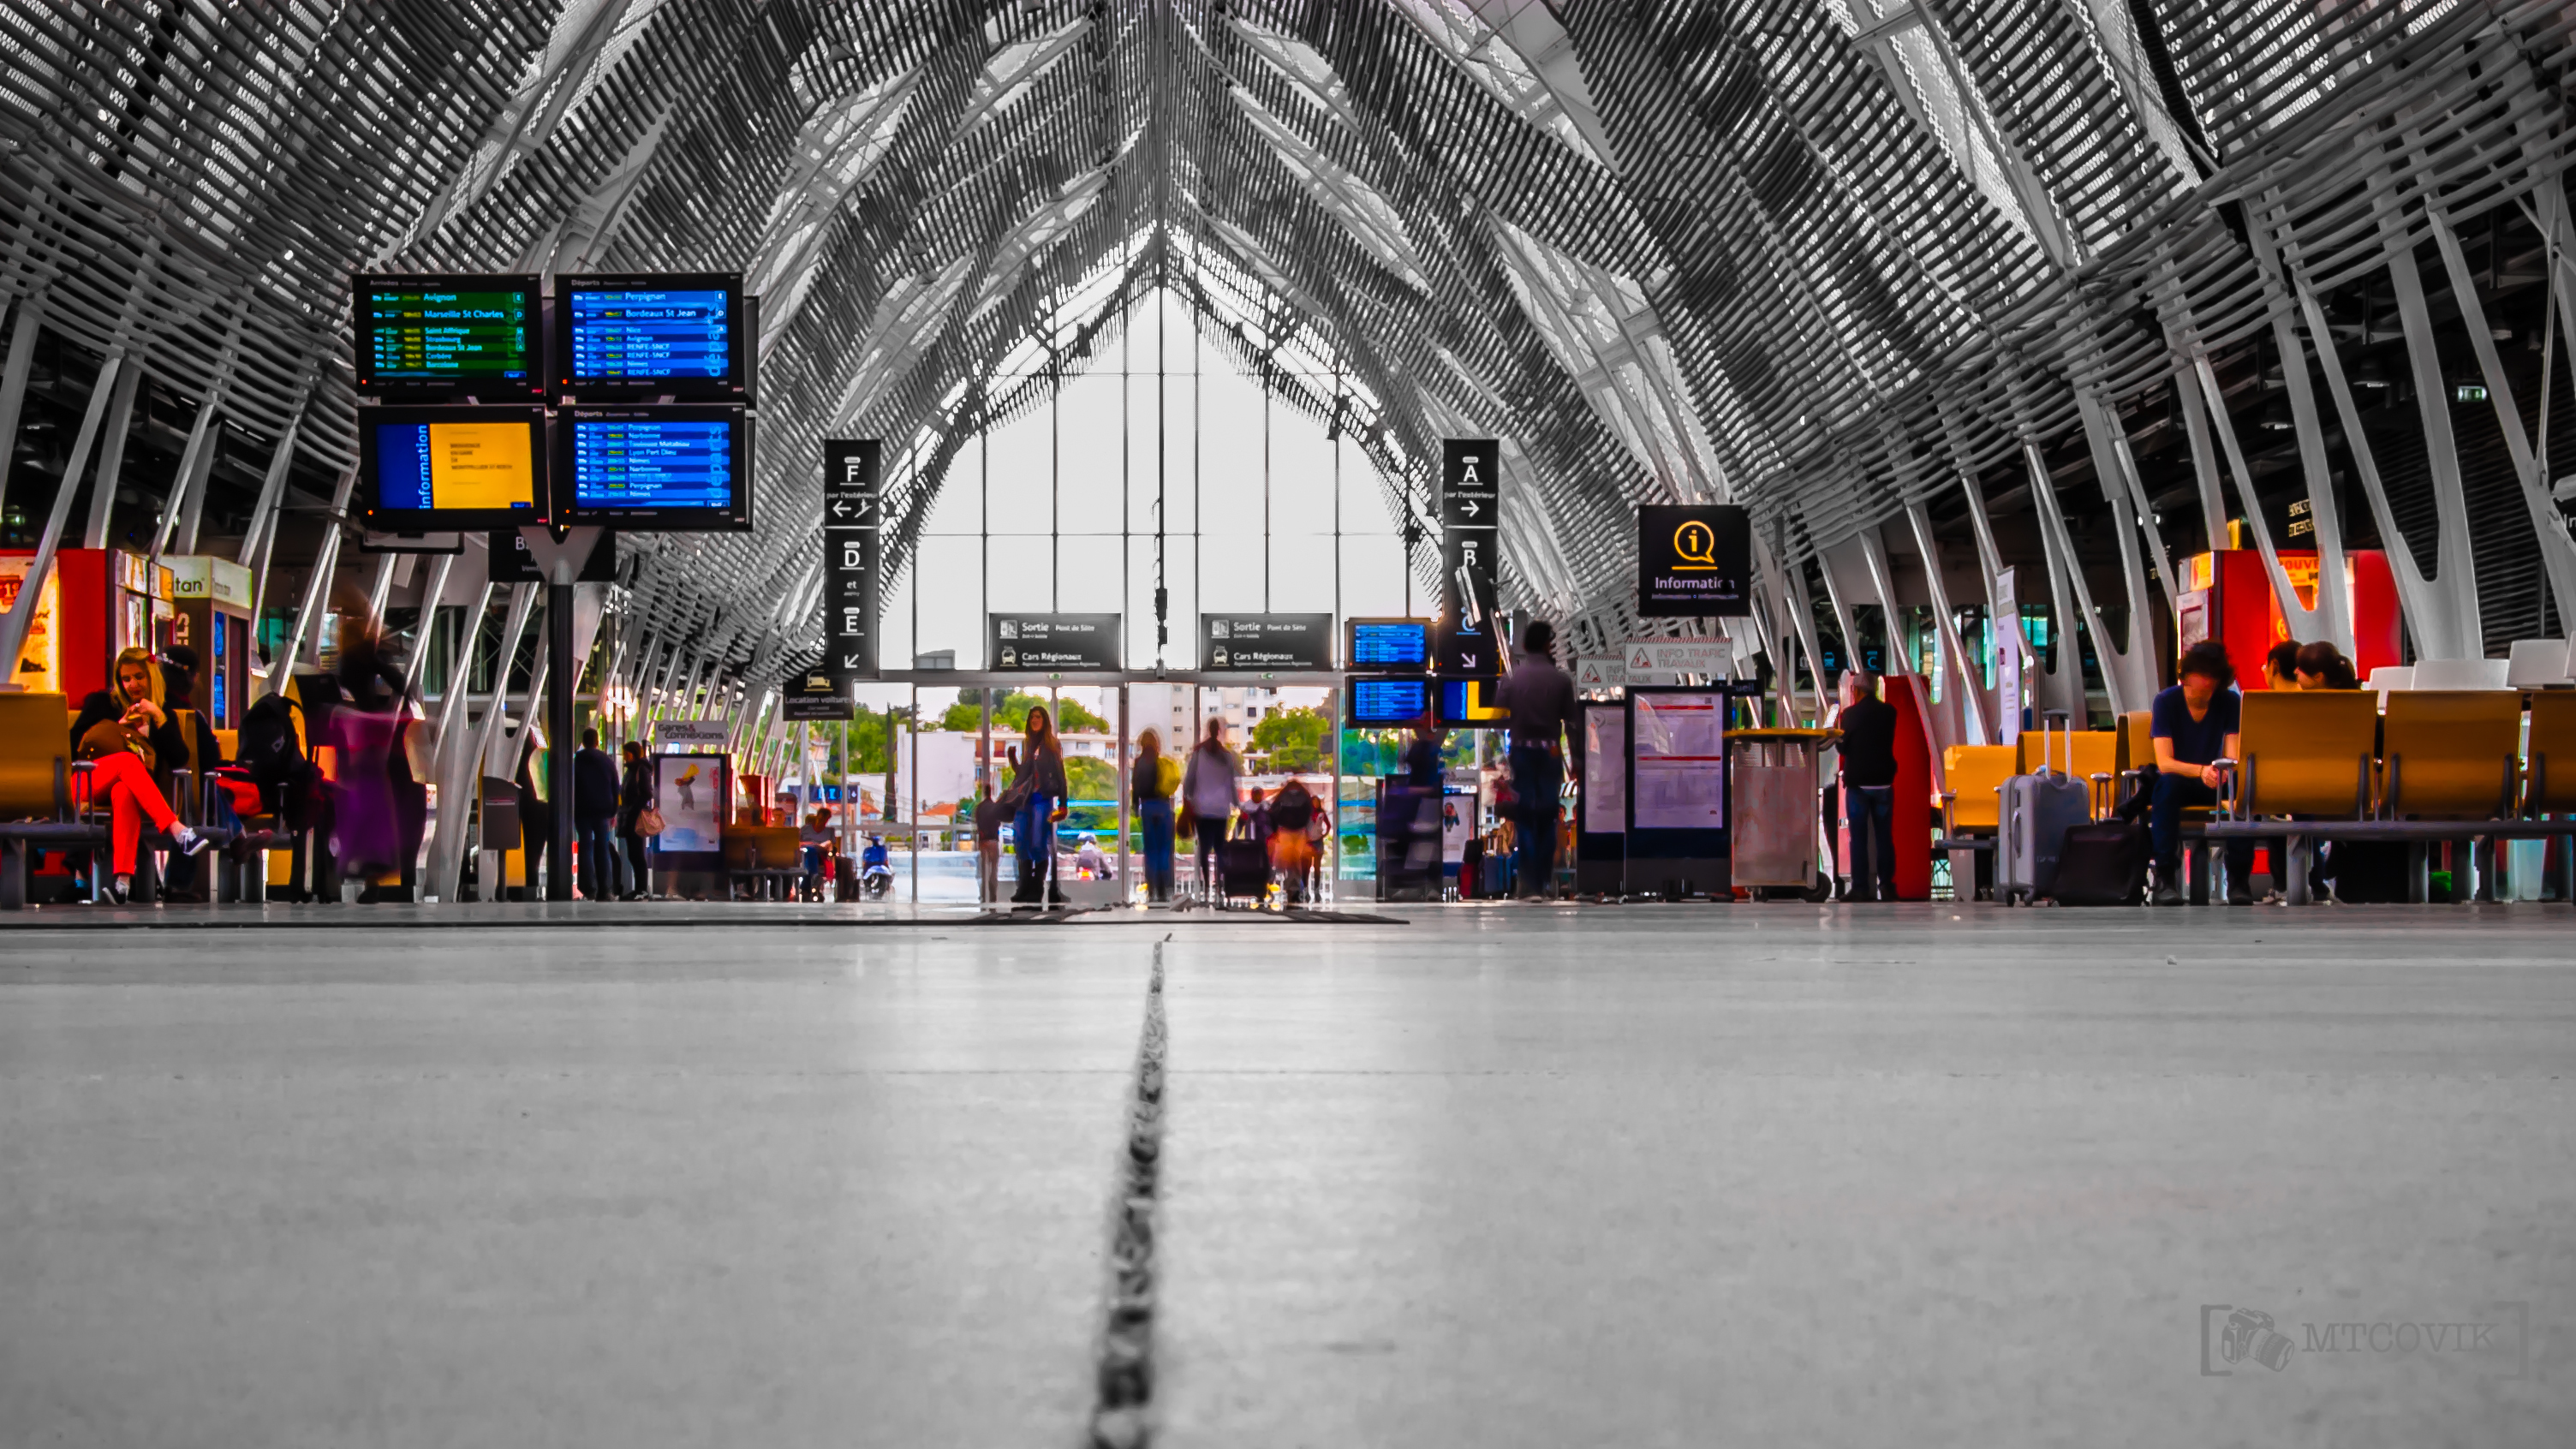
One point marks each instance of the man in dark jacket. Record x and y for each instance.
(594, 817)
(1868, 748)
(1540, 698)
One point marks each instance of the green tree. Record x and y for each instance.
(1012, 710)
(1293, 739)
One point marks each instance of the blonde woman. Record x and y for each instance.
(123, 731)
(1151, 785)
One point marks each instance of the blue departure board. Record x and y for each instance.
(652, 463)
(1389, 644)
(1385, 703)
(633, 335)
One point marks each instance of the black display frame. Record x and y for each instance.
(500, 390)
(414, 522)
(734, 387)
(735, 519)
(1351, 639)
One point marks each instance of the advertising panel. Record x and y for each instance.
(689, 790)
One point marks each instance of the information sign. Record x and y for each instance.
(1694, 560)
(851, 514)
(1470, 640)
(1082, 643)
(814, 695)
(1601, 671)
(1300, 642)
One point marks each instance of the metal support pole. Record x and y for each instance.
(1122, 770)
(463, 773)
(111, 453)
(13, 380)
(565, 677)
(317, 586)
(187, 485)
(912, 786)
(22, 614)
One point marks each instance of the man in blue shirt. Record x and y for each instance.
(2194, 724)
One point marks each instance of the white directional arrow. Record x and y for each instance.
(1469, 508)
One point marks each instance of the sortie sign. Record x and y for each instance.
(1694, 560)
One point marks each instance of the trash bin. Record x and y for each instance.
(1775, 776)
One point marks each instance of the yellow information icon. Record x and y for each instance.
(1694, 547)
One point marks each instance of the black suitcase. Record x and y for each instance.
(1246, 868)
(2102, 863)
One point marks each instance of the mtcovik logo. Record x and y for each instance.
(2494, 1339)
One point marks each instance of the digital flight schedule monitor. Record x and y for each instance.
(639, 336)
(443, 469)
(1388, 646)
(676, 466)
(449, 336)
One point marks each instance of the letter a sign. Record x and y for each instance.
(850, 518)
(1470, 640)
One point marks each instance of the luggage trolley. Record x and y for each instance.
(1779, 810)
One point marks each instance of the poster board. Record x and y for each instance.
(1601, 810)
(1676, 838)
(691, 791)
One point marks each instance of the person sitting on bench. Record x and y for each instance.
(2194, 724)
(122, 776)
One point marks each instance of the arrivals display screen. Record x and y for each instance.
(440, 469)
(1375, 704)
(449, 336)
(676, 466)
(1391, 646)
(676, 335)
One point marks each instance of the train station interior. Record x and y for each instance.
(1287, 722)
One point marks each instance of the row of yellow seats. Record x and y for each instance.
(2435, 754)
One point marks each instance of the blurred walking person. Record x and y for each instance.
(1151, 785)
(634, 795)
(1207, 789)
(1540, 699)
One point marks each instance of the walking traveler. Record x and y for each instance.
(1292, 849)
(1151, 785)
(1207, 790)
(634, 796)
(1868, 750)
(1540, 700)
(594, 817)
(989, 815)
(1038, 783)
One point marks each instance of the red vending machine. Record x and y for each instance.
(2226, 596)
(104, 600)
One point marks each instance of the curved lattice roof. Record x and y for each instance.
(1829, 258)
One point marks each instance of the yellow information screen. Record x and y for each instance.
(481, 465)
(442, 465)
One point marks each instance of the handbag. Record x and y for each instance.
(648, 822)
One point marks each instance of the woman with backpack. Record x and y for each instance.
(1207, 791)
(1153, 782)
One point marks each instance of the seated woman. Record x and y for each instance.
(139, 702)
(122, 776)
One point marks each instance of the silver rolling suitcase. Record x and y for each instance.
(2035, 812)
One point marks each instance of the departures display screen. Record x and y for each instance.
(666, 467)
(676, 335)
(473, 335)
(1386, 703)
(1392, 646)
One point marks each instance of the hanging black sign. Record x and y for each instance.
(1470, 634)
(814, 695)
(1694, 560)
(850, 518)
(510, 563)
(1061, 643)
(1266, 641)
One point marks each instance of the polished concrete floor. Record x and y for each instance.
(1498, 1176)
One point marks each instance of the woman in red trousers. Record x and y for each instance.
(117, 775)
